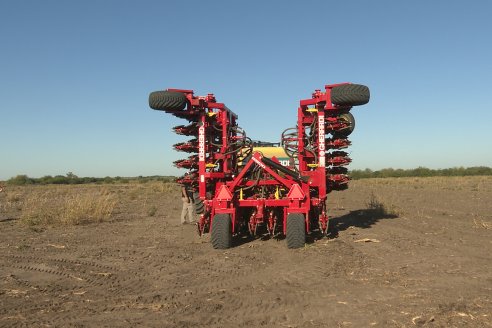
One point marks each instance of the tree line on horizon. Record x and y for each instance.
(71, 178)
(420, 172)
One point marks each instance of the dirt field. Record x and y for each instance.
(426, 260)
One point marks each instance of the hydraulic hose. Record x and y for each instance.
(283, 169)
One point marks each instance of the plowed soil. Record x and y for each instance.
(424, 258)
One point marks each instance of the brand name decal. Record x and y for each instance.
(201, 143)
(321, 140)
(260, 163)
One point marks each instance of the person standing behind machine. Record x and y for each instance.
(188, 212)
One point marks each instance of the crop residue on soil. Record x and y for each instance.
(423, 261)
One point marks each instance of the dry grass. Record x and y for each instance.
(151, 210)
(87, 208)
(383, 207)
(36, 209)
(471, 183)
(480, 223)
(67, 209)
(44, 205)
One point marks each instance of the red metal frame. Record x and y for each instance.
(261, 192)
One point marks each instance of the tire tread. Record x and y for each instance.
(296, 230)
(350, 95)
(221, 231)
(167, 100)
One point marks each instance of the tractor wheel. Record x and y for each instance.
(296, 230)
(350, 120)
(350, 95)
(221, 231)
(167, 100)
(198, 203)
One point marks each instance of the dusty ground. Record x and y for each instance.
(428, 263)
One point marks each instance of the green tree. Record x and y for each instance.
(20, 180)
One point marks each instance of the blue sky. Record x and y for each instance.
(75, 78)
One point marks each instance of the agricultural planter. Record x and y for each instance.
(239, 190)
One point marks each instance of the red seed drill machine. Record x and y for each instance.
(239, 190)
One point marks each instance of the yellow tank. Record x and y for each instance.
(278, 152)
(272, 151)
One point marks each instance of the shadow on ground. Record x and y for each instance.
(364, 218)
(360, 219)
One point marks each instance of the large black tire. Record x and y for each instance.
(198, 203)
(167, 100)
(296, 230)
(350, 120)
(221, 231)
(350, 95)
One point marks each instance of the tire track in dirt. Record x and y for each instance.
(78, 273)
(292, 272)
(276, 279)
(61, 260)
(234, 277)
(76, 276)
(142, 271)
